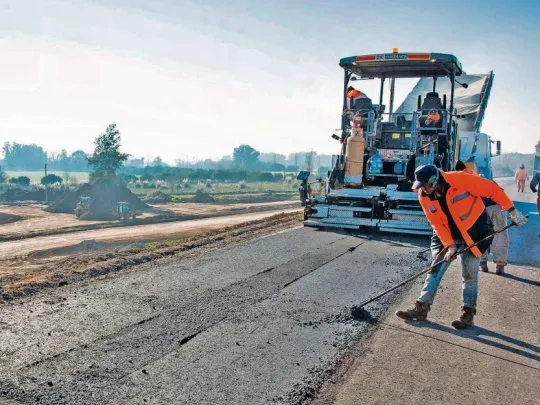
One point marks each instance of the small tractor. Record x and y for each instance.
(124, 211)
(83, 208)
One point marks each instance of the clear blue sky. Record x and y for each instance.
(197, 78)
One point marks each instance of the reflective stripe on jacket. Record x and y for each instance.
(464, 200)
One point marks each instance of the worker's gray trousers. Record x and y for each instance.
(469, 274)
(499, 246)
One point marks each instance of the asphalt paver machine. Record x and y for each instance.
(370, 182)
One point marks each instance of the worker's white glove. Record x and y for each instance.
(450, 253)
(517, 217)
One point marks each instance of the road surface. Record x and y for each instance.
(258, 322)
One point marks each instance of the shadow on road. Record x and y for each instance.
(520, 279)
(486, 336)
(465, 334)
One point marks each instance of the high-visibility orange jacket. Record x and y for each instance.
(354, 94)
(463, 196)
(434, 116)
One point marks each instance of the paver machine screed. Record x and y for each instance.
(370, 182)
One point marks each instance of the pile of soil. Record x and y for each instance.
(158, 197)
(202, 197)
(104, 197)
(8, 218)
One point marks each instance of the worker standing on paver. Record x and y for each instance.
(452, 202)
(499, 219)
(521, 177)
(353, 95)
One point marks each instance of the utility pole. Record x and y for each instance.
(46, 196)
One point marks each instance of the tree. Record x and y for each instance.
(3, 176)
(78, 161)
(20, 181)
(158, 161)
(18, 156)
(309, 161)
(107, 158)
(51, 179)
(245, 156)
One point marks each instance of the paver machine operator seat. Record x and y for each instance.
(364, 105)
(431, 110)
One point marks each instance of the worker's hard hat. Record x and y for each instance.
(427, 174)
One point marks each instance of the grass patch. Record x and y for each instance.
(35, 176)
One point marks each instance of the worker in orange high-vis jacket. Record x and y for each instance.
(353, 95)
(452, 202)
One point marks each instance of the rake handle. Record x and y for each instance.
(432, 266)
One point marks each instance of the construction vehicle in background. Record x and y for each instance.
(476, 152)
(370, 182)
(83, 208)
(124, 211)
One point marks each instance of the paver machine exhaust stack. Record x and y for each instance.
(370, 182)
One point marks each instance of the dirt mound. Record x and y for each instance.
(104, 196)
(202, 196)
(8, 218)
(158, 197)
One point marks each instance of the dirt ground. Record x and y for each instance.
(18, 221)
(202, 208)
(27, 265)
(32, 219)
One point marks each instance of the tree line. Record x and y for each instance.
(32, 157)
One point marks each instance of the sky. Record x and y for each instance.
(187, 79)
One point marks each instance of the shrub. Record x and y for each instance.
(20, 181)
(202, 196)
(266, 176)
(242, 184)
(51, 179)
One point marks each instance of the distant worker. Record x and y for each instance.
(498, 218)
(353, 95)
(521, 177)
(459, 219)
(535, 187)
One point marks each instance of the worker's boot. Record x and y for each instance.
(418, 313)
(465, 320)
(484, 267)
(500, 270)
